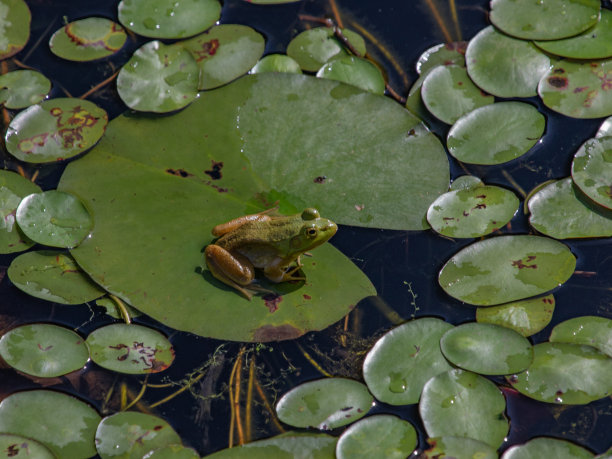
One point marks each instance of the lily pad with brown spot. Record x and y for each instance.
(18, 447)
(580, 89)
(87, 39)
(55, 129)
(15, 18)
(592, 170)
(130, 348)
(13, 187)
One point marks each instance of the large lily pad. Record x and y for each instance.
(224, 52)
(526, 316)
(13, 187)
(580, 89)
(55, 129)
(592, 170)
(324, 403)
(43, 350)
(559, 211)
(459, 403)
(62, 423)
(23, 88)
(15, 20)
(506, 268)
(88, 39)
(565, 373)
(168, 18)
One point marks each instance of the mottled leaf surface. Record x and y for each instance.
(592, 170)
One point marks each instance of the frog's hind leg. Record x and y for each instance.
(234, 270)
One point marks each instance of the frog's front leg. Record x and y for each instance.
(278, 272)
(232, 269)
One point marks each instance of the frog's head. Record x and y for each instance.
(314, 231)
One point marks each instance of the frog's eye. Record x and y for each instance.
(310, 214)
(312, 232)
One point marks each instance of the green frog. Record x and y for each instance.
(269, 242)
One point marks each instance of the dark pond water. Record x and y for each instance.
(402, 265)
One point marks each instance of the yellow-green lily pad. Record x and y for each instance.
(590, 330)
(168, 18)
(592, 170)
(64, 424)
(224, 52)
(130, 348)
(506, 268)
(43, 350)
(87, 39)
(55, 129)
(525, 316)
(13, 187)
(15, 18)
(54, 218)
(52, 276)
(22, 88)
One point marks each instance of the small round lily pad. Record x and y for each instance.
(506, 268)
(559, 211)
(87, 39)
(442, 54)
(565, 373)
(594, 43)
(277, 63)
(158, 78)
(377, 437)
(55, 129)
(590, 330)
(22, 88)
(324, 403)
(527, 317)
(580, 89)
(592, 170)
(540, 447)
(224, 52)
(13, 187)
(459, 403)
(62, 423)
(18, 447)
(130, 348)
(544, 20)
(355, 71)
(131, 434)
(495, 134)
(168, 18)
(486, 349)
(448, 93)
(403, 359)
(15, 30)
(43, 350)
(505, 66)
(472, 212)
(52, 276)
(54, 218)
(314, 47)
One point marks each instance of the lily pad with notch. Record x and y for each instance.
(495, 134)
(55, 129)
(13, 187)
(130, 434)
(54, 218)
(526, 317)
(565, 373)
(158, 78)
(224, 52)
(62, 423)
(18, 447)
(168, 18)
(590, 330)
(558, 210)
(314, 47)
(43, 350)
(506, 268)
(459, 403)
(52, 276)
(402, 361)
(130, 348)
(87, 39)
(592, 170)
(15, 32)
(22, 88)
(324, 403)
(354, 71)
(472, 212)
(448, 93)
(377, 437)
